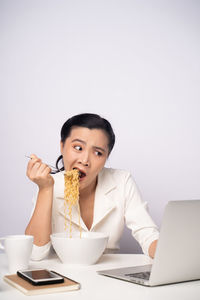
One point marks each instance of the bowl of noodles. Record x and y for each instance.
(84, 250)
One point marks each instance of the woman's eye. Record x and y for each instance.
(79, 148)
(98, 153)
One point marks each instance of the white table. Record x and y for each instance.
(98, 287)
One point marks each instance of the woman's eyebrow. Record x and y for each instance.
(78, 140)
(83, 142)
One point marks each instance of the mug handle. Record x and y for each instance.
(1, 245)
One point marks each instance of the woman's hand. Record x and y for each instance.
(39, 173)
(152, 248)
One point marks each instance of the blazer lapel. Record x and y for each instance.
(104, 202)
(75, 214)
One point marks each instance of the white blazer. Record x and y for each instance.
(117, 203)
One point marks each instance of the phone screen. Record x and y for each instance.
(40, 276)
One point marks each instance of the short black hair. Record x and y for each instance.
(90, 121)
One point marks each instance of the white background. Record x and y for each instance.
(135, 63)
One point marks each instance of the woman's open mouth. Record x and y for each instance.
(82, 174)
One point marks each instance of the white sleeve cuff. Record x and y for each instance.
(40, 252)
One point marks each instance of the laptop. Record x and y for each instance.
(177, 257)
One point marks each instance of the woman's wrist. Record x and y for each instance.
(46, 189)
(45, 197)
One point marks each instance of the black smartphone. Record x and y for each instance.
(40, 276)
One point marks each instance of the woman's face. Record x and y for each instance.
(86, 150)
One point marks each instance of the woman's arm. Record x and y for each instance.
(138, 219)
(40, 223)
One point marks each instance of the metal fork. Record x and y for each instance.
(51, 167)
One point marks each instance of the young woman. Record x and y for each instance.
(108, 200)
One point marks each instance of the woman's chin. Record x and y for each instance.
(84, 184)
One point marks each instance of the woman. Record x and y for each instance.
(108, 198)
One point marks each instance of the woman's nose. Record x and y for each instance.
(84, 159)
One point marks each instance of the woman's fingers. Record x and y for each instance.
(43, 170)
(36, 167)
(39, 172)
(33, 160)
(46, 171)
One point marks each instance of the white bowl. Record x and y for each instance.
(82, 251)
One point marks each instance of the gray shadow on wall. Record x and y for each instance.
(128, 244)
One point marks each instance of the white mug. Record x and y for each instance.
(18, 250)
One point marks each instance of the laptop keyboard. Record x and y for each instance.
(141, 275)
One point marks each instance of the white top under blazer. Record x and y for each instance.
(117, 203)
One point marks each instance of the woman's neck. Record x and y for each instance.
(89, 190)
